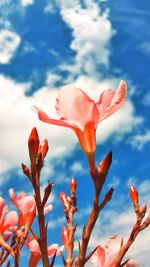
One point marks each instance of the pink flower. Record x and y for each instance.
(34, 248)
(6, 223)
(106, 257)
(27, 207)
(82, 114)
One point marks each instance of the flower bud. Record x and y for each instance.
(65, 200)
(134, 195)
(73, 185)
(43, 148)
(26, 171)
(105, 164)
(65, 236)
(33, 145)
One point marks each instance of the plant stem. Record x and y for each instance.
(42, 228)
(88, 230)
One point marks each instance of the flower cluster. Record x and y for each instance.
(82, 114)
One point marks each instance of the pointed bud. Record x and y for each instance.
(65, 200)
(134, 195)
(43, 148)
(65, 236)
(109, 194)
(33, 145)
(105, 163)
(26, 171)
(47, 192)
(143, 210)
(73, 185)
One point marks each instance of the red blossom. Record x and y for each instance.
(7, 222)
(82, 114)
(34, 248)
(107, 257)
(27, 207)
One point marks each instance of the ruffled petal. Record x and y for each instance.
(10, 220)
(45, 118)
(104, 102)
(112, 249)
(26, 204)
(111, 101)
(13, 197)
(98, 257)
(52, 249)
(76, 107)
(2, 202)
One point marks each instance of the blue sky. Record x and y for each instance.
(45, 45)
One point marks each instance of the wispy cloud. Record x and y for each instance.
(146, 100)
(25, 3)
(90, 46)
(9, 42)
(138, 141)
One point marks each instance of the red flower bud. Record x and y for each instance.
(65, 236)
(33, 145)
(43, 148)
(134, 195)
(65, 200)
(105, 163)
(73, 185)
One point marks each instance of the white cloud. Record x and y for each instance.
(138, 141)
(29, 48)
(26, 2)
(146, 100)
(57, 221)
(91, 32)
(17, 121)
(51, 79)
(76, 167)
(9, 42)
(50, 8)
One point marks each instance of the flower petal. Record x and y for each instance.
(76, 107)
(98, 257)
(26, 204)
(111, 101)
(52, 249)
(10, 219)
(45, 118)
(13, 197)
(112, 249)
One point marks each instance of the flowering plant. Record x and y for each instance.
(80, 113)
